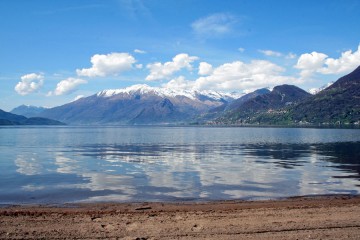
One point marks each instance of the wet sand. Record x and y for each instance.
(324, 217)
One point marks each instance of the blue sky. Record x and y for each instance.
(54, 51)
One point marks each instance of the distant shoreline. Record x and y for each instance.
(318, 126)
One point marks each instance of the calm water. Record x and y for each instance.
(90, 164)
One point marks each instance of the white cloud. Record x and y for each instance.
(109, 64)
(205, 68)
(67, 86)
(290, 55)
(315, 62)
(179, 83)
(163, 71)
(139, 66)
(237, 76)
(241, 76)
(310, 62)
(270, 53)
(347, 62)
(214, 25)
(139, 51)
(241, 49)
(29, 83)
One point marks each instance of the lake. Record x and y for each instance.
(67, 164)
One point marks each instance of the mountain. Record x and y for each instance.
(314, 91)
(229, 106)
(27, 111)
(7, 118)
(270, 102)
(338, 103)
(139, 104)
(240, 101)
(12, 119)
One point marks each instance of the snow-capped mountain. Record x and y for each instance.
(140, 104)
(314, 91)
(167, 92)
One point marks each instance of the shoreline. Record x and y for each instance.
(253, 201)
(328, 216)
(189, 125)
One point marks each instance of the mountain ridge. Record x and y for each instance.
(285, 105)
(27, 110)
(167, 92)
(337, 104)
(281, 96)
(7, 118)
(139, 104)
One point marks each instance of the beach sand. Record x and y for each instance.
(323, 217)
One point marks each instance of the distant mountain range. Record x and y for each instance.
(231, 105)
(288, 105)
(267, 102)
(28, 111)
(7, 118)
(338, 103)
(139, 104)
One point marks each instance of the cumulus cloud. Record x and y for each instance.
(237, 76)
(347, 62)
(214, 25)
(109, 64)
(310, 62)
(139, 51)
(315, 62)
(241, 76)
(29, 83)
(270, 53)
(67, 86)
(162, 71)
(179, 83)
(205, 68)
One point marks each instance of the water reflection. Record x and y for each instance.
(224, 164)
(209, 171)
(28, 165)
(94, 180)
(66, 165)
(346, 154)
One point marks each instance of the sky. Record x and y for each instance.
(53, 52)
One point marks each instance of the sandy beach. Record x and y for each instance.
(323, 217)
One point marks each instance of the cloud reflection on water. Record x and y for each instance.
(220, 171)
(144, 167)
(28, 165)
